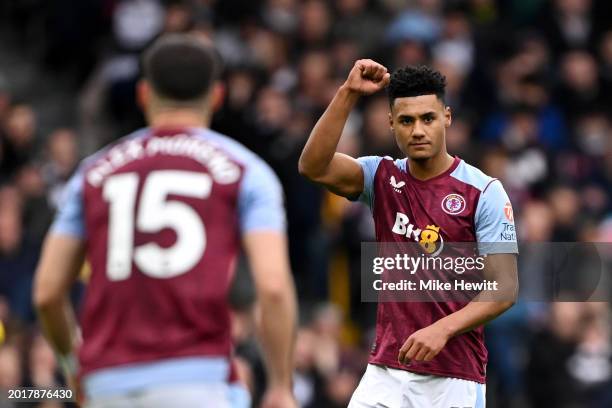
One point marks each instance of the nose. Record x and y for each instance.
(418, 131)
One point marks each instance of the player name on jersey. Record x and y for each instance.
(222, 169)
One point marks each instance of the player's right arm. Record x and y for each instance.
(319, 161)
(61, 260)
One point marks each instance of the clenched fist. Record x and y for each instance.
(367, 77)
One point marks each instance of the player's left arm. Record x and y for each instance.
(497, 240)
(263, 227)
(425, 344)
(59, 266)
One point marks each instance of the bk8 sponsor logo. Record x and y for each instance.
(429, 238)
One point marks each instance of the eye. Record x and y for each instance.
(428, 119)
(406, 120)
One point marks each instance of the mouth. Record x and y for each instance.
(419, 144)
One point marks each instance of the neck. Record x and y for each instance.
(178, 118)
(432, 167)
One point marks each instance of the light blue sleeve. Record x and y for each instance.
(70, 219)
(369, 165)
(494, 220)
(260, 199)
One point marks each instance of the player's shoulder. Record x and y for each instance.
(473, 176)
(234, 149)
(256, 170)
(88, 161)
(374, 162)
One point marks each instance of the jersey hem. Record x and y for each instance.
(88, 369)
(439, 373)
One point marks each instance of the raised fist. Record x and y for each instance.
(367, 77)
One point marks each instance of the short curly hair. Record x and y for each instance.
(416, 81)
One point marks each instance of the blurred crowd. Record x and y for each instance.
(530, 87)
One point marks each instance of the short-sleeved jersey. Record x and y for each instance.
(467, 206)
(161, 213)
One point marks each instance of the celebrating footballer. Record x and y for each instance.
(426, 354)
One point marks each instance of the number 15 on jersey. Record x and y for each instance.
(154, 213)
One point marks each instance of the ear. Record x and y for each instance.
(143, 94)
(391, 120)
(217, 96)
(448, 116)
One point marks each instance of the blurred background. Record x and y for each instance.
(530, 86)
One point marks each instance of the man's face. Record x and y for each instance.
(419, 124)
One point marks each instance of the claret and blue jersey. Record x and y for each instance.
(460, 205)
(161, 213)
